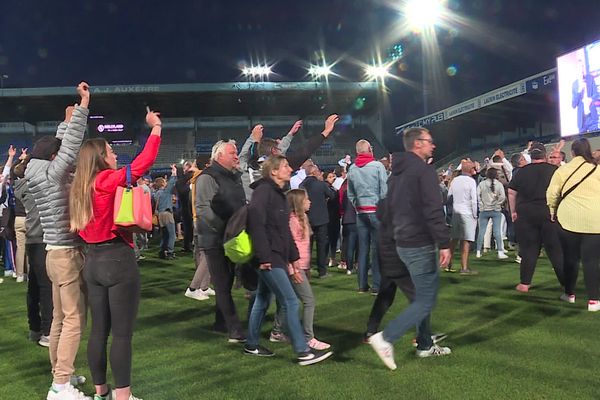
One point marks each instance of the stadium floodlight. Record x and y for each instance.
(377, 72)
(318, 71)
(257, 71)
(422, 14)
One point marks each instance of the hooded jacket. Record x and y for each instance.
(416, 203)
(367, 183)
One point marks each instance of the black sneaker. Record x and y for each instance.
(258, 351)
(313, 356)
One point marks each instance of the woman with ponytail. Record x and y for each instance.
(491, 196)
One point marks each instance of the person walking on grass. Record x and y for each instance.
(420, 235)
(574, 201)
(533, 226)
(48, 176)
(491, 197)
(463, 191)
(299, 204)
(274, 249)
(111, 271)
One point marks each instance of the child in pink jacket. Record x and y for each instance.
(299, 204)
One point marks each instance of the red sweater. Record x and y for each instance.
(102, 228)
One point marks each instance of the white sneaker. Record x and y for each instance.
(478, 255)
(68, 393)
(209, 292)
(384, 349)
(502, 255)
(568, 298)
(131, 396)
(434, 350)
(518, 259)
(20, 279)
(196, 294)
(593, 305)
(8, 272)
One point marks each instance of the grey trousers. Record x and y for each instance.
(305, 294)
(201, 278)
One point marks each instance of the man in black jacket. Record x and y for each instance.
(182, 187)
(419, 231)
(219, 193)
(319, 192)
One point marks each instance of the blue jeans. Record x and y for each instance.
(484, 218)
(367, 226)
(167, 238)
(276, 281)
(423, 266)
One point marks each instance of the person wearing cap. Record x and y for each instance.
(529, 212)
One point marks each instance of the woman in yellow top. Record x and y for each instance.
(575, 187)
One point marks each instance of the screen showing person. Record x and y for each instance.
(578, 79)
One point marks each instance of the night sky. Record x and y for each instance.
(59, 43)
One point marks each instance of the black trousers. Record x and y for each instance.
(222, 274)
(532, 231)
(584, 247)
(333, 233)
(39, 290)
(113, 282)
(188, 226)
(385, 298)
(320, 237)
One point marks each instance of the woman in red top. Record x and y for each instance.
(110, 269)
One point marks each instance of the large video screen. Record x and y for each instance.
(578, 83)
(114, 130)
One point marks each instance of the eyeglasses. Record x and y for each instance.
(426, 140)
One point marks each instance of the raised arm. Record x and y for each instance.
(313, 143)
(286, 141)
(72, 138)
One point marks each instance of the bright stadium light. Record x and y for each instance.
(260, 71)
(377, 72)
(421, 14)
(318, 71)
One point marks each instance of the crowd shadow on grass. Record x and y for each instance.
(500, 319)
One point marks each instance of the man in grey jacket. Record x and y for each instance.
(49, 179)
(367, 185)
(219, 194)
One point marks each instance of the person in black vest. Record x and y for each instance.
(219, 193)
(333, 209)
(319, 193)
(182, 187)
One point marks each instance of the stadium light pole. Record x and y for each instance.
(422, 16)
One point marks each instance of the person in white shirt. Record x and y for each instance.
(299, 177)
(463, 190)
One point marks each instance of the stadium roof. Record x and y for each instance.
(520, 104)
(185, 100)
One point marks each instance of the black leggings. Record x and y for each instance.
(584, 247)
(39, 290)
(113, 283)
(532, 231)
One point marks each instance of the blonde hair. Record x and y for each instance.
(90, 161)
(271, 164)
(363, 146)
(295, 199)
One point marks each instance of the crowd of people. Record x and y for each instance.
(395, 222)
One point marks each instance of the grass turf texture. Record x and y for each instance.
(505, 344)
